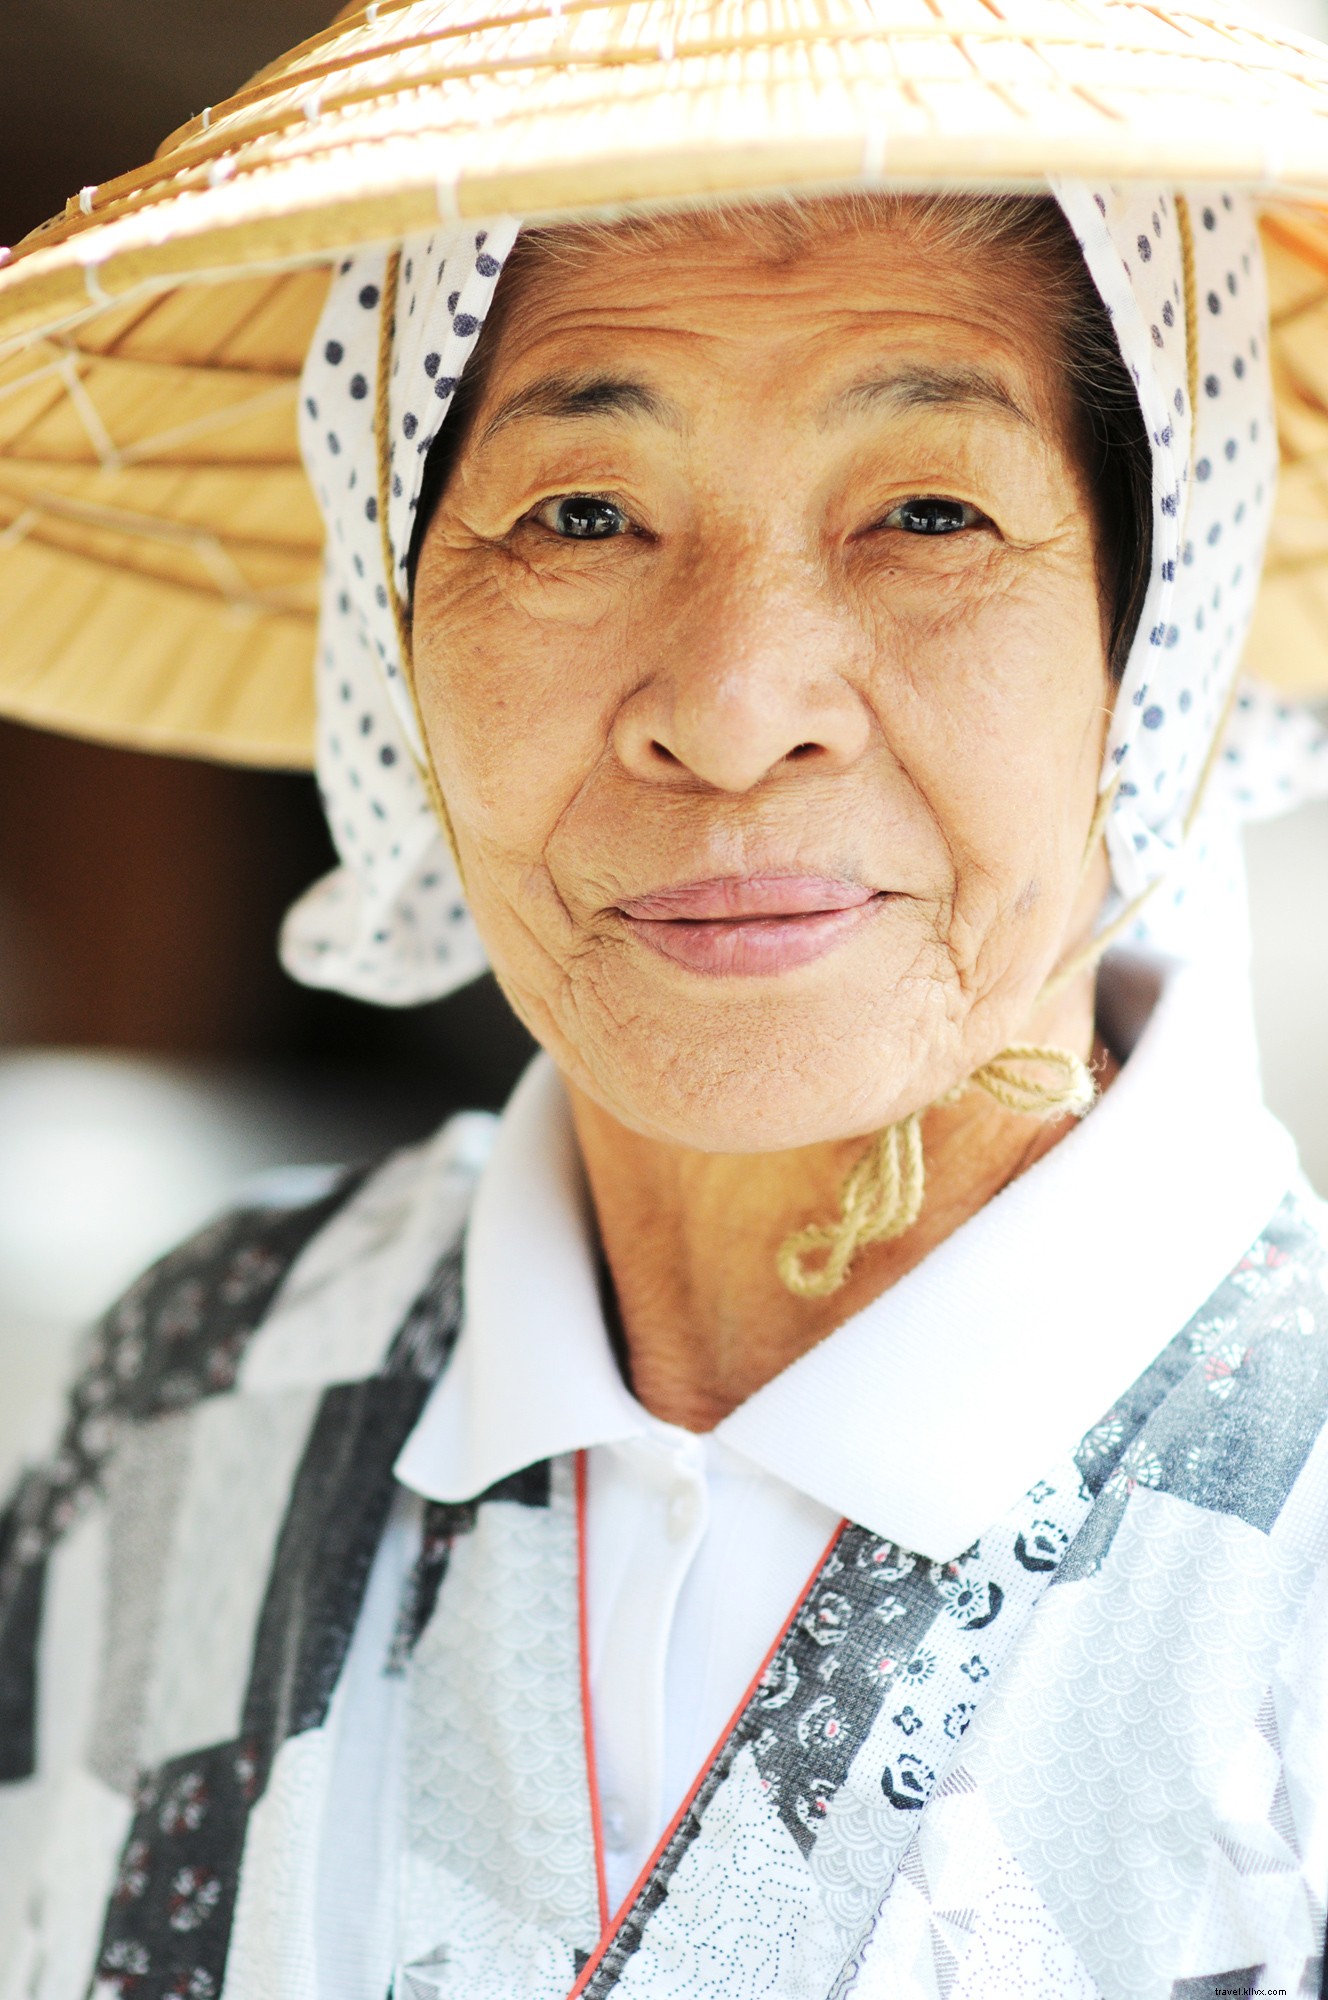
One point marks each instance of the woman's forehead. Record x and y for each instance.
(881, 310)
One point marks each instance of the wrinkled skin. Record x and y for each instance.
(761, 671)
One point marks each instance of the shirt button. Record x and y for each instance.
(682, 1513)
(614, 1820)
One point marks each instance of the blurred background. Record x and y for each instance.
(153, 1057)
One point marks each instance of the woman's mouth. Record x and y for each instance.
(742, 924)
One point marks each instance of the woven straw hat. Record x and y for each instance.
(159, 544)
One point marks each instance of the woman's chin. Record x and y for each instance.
(827, 1051)
(752, 1103)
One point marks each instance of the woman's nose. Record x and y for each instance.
(744, 689)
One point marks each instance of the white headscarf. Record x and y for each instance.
(390, 924)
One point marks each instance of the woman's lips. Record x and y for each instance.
(749, 923)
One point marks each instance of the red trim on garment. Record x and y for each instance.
(610, 1929)
(587, 1716)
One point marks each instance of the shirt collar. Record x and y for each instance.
(533, 1373)
(926, 1415)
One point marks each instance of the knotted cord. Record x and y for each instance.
(882, 1196)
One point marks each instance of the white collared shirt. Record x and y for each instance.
(923, 1418)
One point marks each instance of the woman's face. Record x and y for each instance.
(760, 650)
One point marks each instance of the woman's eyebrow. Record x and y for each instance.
(563, 396)
(913, 387)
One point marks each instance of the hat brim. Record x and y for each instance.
(159, 545)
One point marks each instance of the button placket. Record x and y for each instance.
(682, 1511)
(661, 1482)
(616, 1824)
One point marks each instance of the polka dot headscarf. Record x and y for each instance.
(390, 924)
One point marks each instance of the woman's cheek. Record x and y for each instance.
(996, 707)
(515, 730)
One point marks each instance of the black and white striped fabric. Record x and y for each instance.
(180, 1581)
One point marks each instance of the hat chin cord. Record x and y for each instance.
(882, 1195)
(883, 1192)
(400, 618)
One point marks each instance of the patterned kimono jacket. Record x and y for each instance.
(1087, 1758)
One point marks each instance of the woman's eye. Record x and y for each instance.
(580, 519)
(932, 517)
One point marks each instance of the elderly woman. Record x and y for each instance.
(830, 1497)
